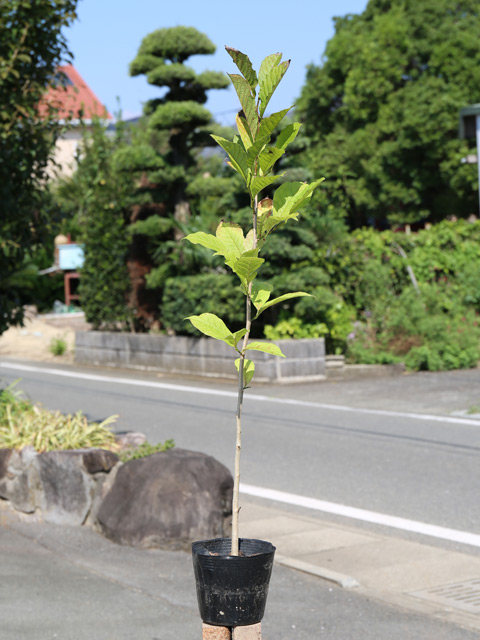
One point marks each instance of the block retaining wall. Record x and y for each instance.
(305, 359)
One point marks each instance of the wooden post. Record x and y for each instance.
(250, 632)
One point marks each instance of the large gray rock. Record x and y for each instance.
(98, 460)
(59, 485)
(19, 481)
(167, 500)
(68, 490)
(70, 481)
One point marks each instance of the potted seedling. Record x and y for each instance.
(233, 574)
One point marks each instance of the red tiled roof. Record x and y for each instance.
(73, 97)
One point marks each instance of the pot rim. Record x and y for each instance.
(202, 547)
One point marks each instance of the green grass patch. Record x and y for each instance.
(145, 449)
(58, 346)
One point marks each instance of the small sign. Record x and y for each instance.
(70, 256)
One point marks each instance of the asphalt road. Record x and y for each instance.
(69, 583)
(405, 463)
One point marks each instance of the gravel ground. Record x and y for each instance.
(33, 340)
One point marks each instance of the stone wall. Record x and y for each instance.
(305, 359)
(62, 487)
(167, 499)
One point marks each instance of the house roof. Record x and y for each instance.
(73, 98)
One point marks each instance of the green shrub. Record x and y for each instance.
(361, 353)
(435, 329)
(145, 449)
(184, 296)
(105, 284)
(366, 267)
(295, 328)
(432, 331)
(330, 310)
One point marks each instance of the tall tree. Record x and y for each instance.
(382, 111)
(180, 112)
(32, 45)
(165, 154)
(104, 214)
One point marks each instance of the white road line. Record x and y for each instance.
(404, 524)
(233, 394)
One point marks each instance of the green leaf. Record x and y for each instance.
(248, 242)
(270, 223)
(286, 296)
(248, 370)
(260, 293)
(270, 83)
(244, 66)
(290, 196)
(268, 125)
(206, 240)
(247, 101)
(255, 149)
(212, 326)
(264, 211)
(268, 158)
(267, 65)
(266, 347)
(231, 238)
(287, 135)
(260, 182)
(244, 130)
(265, 207)
(233, 339)
(246, 266)
(238, 335)
(236, 153)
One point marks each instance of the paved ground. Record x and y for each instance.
(72, 584)
(441, 392)
(409, 574)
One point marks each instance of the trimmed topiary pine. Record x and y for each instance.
(180, 113)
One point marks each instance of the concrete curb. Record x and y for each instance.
(341, 579)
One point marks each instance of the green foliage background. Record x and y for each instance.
(177, 181)
(382, 112)
(380, 121)
(436, 328)
(104, 284)
(32, 44)
(185, 296)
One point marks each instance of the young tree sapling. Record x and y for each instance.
(253, 155)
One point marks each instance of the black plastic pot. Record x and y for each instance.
(232, 590)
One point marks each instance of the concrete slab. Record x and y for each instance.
(383, 567)
(309, 543)
(279, 525)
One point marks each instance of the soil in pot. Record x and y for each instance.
(232, 590)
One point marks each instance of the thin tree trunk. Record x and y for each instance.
(238, 443)
(181, 215)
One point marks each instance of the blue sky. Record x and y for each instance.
(108, 33)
